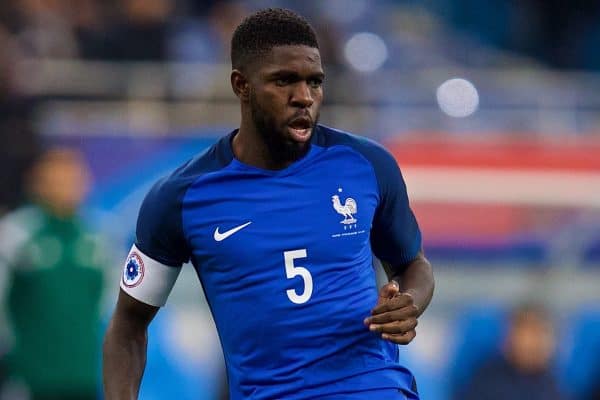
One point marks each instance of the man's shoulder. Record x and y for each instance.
(212, 159)
(328, 137)
(371, 150)
(173, 185)
(27, 218)
(16, 228)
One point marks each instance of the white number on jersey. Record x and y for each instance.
(291, 271)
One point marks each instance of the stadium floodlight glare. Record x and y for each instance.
(457, 97)
(366, 52)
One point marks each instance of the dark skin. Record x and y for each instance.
(124, 351)
(402, 301)
(285, 85)
(280, 97)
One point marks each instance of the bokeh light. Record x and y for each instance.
(366, 52)
(457, 97)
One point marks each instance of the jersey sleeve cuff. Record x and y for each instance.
(146, 279)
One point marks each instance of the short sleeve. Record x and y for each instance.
(395, 235)
(159, 230)
(160, 249)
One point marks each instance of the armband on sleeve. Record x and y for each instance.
(147, 280)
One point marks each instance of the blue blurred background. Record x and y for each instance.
(508, 196)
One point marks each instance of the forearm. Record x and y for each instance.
(124, 361)
(417, 279)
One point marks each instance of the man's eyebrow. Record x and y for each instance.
(283, 72)
(294, 74)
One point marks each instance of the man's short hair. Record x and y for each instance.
(265, 29)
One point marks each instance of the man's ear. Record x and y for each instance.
(240, 85)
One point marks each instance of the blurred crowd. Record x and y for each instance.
(557, 33)
(560, 34)
(132, 30)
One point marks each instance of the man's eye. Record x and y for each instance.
(282, 82)
(315, 83)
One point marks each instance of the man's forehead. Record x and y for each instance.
(292, 55)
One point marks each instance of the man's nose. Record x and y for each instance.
(302, 96)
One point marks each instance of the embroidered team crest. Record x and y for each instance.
(134, 270)
(348, 209)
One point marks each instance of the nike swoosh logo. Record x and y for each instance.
(222, 236)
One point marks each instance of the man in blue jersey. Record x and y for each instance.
(281, 218)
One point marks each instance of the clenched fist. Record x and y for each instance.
(394, 316)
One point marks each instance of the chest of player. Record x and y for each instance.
(234, 220)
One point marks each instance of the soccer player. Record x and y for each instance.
(280, 218)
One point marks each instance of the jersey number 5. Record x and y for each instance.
(292, 270)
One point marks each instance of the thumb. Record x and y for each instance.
(388, 291)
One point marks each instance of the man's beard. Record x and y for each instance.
(279, 149)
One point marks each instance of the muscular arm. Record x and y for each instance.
(124, 352)
(416, 278)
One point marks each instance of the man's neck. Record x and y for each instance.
(249, 148)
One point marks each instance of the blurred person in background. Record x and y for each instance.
(524, 370)
(52, 264)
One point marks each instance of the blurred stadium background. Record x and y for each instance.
(508, 197)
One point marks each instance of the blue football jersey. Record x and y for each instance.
(286, 262)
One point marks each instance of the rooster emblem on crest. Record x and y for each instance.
(347, 209)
